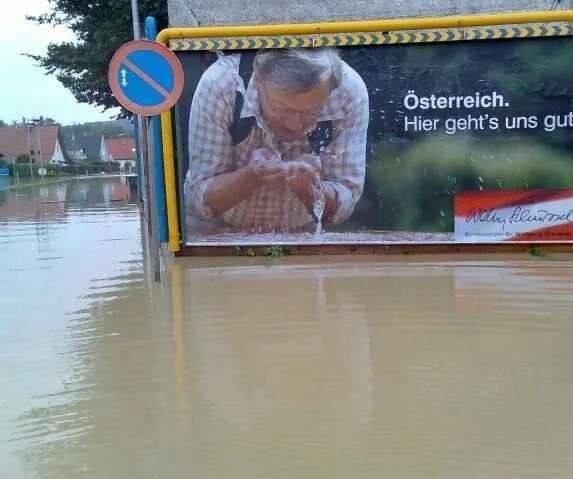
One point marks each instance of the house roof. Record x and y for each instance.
(121, 148)
(76, 139)
(18, 140)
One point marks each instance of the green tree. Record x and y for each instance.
(3, 124)
(100, 27)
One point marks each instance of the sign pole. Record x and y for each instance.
(146, 78)
(135, 20)
(139, 130)
(156, 153)
(154, 238)
(142, 134)
(147, 167)
(142, 150)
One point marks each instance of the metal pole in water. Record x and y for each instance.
(147, 177)
(156, 150)
(147, 174)
(139, 130)
(154, 235)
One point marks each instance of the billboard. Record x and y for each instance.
(456, 141)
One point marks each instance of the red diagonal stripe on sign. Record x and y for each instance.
(145, 77)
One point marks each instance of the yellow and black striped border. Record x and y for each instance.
(373, 38)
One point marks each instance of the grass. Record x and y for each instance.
(537, 251)
(270, 252)
(275, 252)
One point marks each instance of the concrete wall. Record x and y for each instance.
(224, 12)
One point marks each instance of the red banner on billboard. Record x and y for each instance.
(514, 215)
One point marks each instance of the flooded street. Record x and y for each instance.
(297, 367)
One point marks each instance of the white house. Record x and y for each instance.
(41, 144)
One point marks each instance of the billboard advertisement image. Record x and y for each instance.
(462, 141)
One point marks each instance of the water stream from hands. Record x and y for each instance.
(318, 209)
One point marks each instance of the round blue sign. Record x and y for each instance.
(145, 77)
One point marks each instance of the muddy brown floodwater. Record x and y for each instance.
(245, 368)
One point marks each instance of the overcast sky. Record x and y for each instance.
(25, 91)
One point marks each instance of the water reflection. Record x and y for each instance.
(297, 367)
(376, 369)
(53, 252)
(51, 201)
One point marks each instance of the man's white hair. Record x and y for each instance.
(298, 69)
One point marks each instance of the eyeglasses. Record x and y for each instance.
(277, 108)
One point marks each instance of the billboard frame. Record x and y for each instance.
(339, 34)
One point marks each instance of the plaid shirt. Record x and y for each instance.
(212, 153)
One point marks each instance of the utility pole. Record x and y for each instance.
(29, 145)
(37, 123)
(15, 167)
(39, 139)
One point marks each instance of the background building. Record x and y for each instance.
(40, 144)
(119, 150)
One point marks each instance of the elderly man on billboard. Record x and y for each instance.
(277, 141)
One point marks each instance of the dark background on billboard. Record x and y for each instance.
(412, 177)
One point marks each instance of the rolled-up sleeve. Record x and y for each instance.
(210, 144)
(344, 159)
